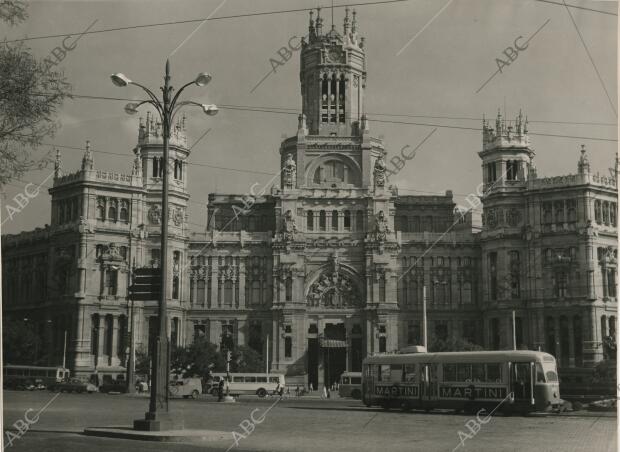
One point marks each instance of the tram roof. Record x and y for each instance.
(459, 357)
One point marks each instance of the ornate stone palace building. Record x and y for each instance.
(330, 264)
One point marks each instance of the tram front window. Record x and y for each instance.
(540, 374)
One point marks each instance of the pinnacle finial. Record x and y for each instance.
(354, 23)
(87, 160)
(57, 163)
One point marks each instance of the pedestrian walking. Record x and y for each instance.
(220, 390)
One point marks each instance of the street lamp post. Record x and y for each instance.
(167, 107)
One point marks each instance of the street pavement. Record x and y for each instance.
(296, 424)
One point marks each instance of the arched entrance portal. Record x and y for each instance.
(333, 343)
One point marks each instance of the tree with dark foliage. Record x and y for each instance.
(30, 95)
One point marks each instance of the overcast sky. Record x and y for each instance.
(436, 74)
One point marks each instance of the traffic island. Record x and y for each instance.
(174, 436)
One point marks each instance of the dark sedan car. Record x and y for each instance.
(73, 385)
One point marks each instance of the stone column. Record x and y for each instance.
(214, 281)
(114, 360)
(571, 342)
(241, 282)
(558, 342)
(101, 333)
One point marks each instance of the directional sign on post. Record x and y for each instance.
(146, 284)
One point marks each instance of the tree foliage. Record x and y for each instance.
(20, 344)
(197, 359)
(202, 357)
(30, 95)
(454, 345)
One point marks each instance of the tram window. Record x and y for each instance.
(551, 376)
(384, 372)
(274, 380)
(238, 379)
(494, 373)
(478, 372)
(449, 372)
(464, 372)
(396, 371)
(356, 380)
(409, 374)
(250, 379)
(345, 380)
(540, 374)
(261, 379)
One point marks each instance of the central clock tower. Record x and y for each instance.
(333, 78)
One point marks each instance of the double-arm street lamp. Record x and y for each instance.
(167, 108)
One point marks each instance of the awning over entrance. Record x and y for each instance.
(332, 343)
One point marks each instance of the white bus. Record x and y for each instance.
(259, 384)
(519, 381)
(350, 385)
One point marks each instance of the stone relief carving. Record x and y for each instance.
(381, 227)
(379, 172)
(155, 214)
(290, 172)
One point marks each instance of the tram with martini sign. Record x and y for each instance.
(518, 381)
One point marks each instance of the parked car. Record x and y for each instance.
(114, 386)
(36, 385)
(73, 385)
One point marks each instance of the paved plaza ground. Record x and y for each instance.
(299, 424)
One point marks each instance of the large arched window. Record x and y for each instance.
(347, 220)
(310, 220)
(324, 101)
(334, 220)
(341, 99)
(597, 211)
(124, 214)
(155, 167)
(322, 220)
(112, 211)
(228, 293)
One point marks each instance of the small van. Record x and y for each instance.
(185, 387)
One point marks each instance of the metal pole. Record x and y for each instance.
(132, 358)
(424, 329)
(514, 331)
(159, 371)
(267, 350)
(64, 352)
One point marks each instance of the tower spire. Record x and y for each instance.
(319, 22)
(332, 14)
(87, 160)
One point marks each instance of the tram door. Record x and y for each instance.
(428, 377)
(521, 382)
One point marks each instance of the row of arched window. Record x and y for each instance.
(605, 212)
(429, 223)
(67, 210)
(559, 211)
(112, 209)
(333, 90)
(176, 168)
(334, 220)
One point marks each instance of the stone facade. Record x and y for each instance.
(330, 264)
